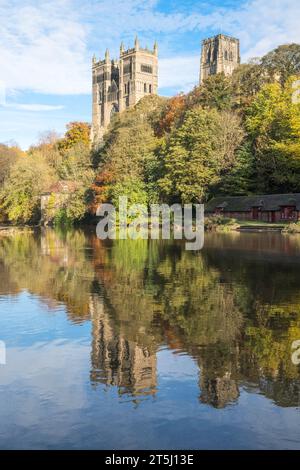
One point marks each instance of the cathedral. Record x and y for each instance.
(120, 84)
(219, 54)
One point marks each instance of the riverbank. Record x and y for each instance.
(217, 224)
(221, 224)
(7, 231)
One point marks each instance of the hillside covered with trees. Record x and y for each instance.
(233, 135)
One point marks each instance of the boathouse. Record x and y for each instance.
(267, 208)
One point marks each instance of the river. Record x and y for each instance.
(139, 344)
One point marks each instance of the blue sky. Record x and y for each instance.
(46, 49)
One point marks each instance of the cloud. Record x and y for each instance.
(262, 25)
(34, 107)
(179, 73)
(46, 46)
(43, 48)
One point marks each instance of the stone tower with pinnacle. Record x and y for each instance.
(120, 84)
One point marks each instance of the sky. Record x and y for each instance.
(46, 49)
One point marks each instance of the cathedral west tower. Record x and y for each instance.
(118, 85)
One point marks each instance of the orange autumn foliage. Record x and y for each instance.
(172, 112)
(100, 189)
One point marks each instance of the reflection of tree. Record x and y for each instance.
(52, 266)
(233, 308)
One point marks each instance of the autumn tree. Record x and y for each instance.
(170, 114)
(77, 133)
(273, 124)
(8, 156)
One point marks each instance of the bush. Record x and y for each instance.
(218, 223)
(293, 227)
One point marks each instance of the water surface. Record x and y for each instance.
(143, 345)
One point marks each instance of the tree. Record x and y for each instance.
(215, 92)
(247, 80)
(20, 197)
(197, 152)
(48, 148)
(135, 192)
(239, 180)
(170, 114)
(77, 133)
(282, 62)
(273, 124)
(129, 152)
(8, 156)
(76, 164)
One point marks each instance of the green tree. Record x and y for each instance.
(247, 81)
(197, 152)
(273, 124)
(76, 164)
(8, 156)
(282, 62)
(215, 92)
(133, 189)
(130, 149)
(48, 148)
(240, 179)
(21, 194)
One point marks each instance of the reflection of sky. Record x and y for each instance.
(47, 399)
(24, 312)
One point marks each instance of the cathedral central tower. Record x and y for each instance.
(219, 54)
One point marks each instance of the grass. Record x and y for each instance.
(261, 223)
(218, 223)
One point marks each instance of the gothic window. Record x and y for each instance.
(150, 88)
(146, 68)
(226, 55)
(145, 87)
(231, 56)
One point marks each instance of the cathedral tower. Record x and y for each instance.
(118, 85)
(219, 54)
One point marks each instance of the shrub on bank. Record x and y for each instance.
(218, 223)
(293, 227)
